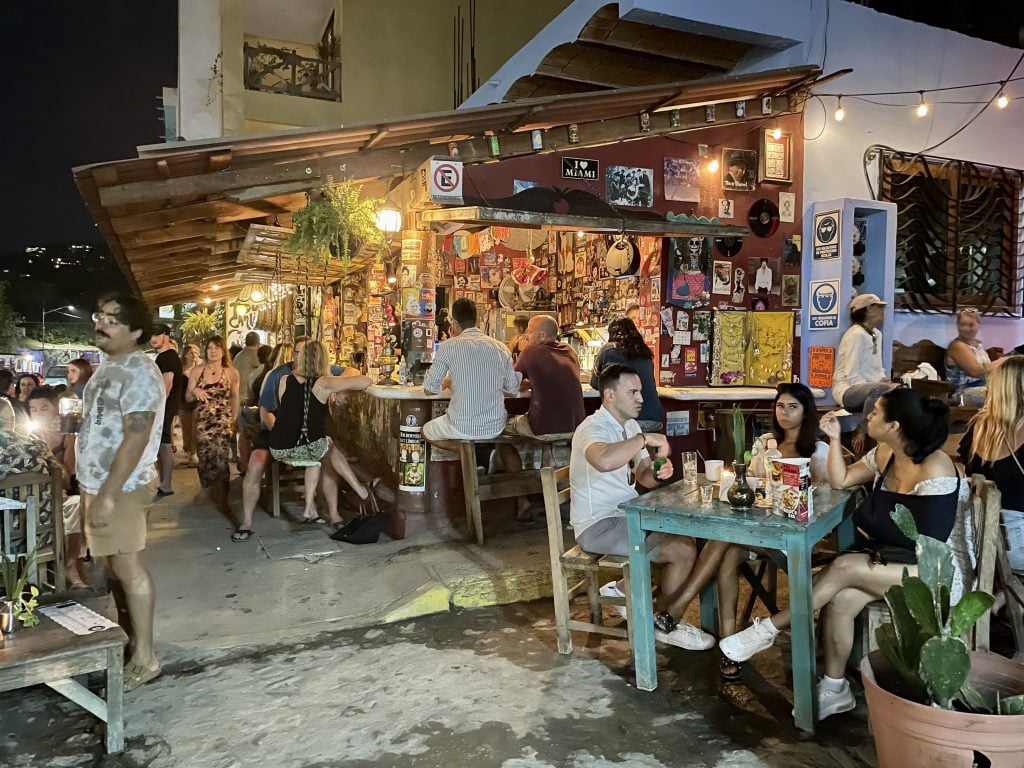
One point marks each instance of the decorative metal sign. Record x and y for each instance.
(580, 168)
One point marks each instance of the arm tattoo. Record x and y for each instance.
(138, 422)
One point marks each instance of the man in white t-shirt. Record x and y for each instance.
(115, 452)
(609, 455)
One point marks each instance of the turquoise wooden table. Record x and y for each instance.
(676, 509)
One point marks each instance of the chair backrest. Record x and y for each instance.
(940, 389)
(987, 506)
(906, 358)
(555, 484)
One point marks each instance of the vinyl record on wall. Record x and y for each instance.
(728, 246)
(763, 218)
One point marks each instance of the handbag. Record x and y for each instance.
(307, 453)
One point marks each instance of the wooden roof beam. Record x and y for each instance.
(184, 231)
(222, 210)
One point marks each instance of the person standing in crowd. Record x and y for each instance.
(609, 457)
(116, 450)
(23, 388)
(967, 363)
(248, 365)
(627, 347)
(552, 372)
(214, 387)
(479, 371)
(79, 373)
(186, 409)
(169, 363)
(907, 467)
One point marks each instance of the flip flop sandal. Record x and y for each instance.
(312, 520)
(730, 670)
(242, 534)
(136, 675)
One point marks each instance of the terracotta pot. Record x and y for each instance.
(911, 735)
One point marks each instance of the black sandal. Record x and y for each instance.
(242, 534)
(730, 670)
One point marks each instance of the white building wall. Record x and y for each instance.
(200, 70)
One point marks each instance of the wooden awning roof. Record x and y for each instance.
(177, 216)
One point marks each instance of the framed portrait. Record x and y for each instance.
(739, 168)
(776, 158)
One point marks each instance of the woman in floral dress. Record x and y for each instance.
(213, 386)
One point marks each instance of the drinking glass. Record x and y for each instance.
(690, 467)
(707, 493)
(713, 470)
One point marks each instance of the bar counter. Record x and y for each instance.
(381, 426)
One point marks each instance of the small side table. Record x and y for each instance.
(51, 655)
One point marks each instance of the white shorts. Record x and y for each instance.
(441, 429)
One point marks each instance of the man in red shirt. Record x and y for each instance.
(551, 370)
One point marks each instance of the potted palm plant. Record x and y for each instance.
(931, 701)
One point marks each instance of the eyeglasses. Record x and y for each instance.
(99, 317)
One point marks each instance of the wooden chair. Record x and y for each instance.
(566, 563)
(21, 530)
(507, 485)
(986, 509)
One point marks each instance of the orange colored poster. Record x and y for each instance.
(820, 364)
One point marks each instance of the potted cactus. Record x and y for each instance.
(931, 700)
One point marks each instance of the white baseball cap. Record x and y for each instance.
(865, 300)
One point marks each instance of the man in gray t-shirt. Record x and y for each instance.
(115, 452)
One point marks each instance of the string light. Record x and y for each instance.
(776, 133)
(1002, 100)
(922, 108)
(713, 165)
(840, 112)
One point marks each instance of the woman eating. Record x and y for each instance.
(967, 363)
(907, 467)
(795, 430)
(626, 346)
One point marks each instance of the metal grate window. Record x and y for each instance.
(960, 233)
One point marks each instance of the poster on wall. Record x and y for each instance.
(722, 278)
(689, 278)
(820, 365)
(412, 453)
(738, 167)
(682, 179)
(824, 305)
(826, 235)
(626, 185)
(776, 157)
(787, 207)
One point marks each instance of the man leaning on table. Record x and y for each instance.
(609, 455)
(479, 372)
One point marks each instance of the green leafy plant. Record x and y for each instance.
(335, 218)
(16, 571)
(739, 435)
(200, 325)
(924, 640)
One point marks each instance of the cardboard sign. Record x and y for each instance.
(820, 364)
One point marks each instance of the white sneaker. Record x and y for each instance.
(752, 640)
(611, 589)
(833, 702)
(686, 636)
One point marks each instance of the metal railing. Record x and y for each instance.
(279, 70)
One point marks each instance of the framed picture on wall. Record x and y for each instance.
(776, 157)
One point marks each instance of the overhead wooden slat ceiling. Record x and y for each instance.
(187, 206)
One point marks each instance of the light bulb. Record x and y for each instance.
(1002, 101)
(214, 287)
(581, 234)
(922, 108)
(776, 133)
(241, 310)
(257, 295)
(206, 300)
(840, 112)
(389, 220)
(712, 165)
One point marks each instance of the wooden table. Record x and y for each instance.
(51, 655)
(676, 509)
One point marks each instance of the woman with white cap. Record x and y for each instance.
(859, 378)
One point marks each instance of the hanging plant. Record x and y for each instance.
(200, 325)
(336, 219)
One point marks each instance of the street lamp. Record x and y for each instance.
(45, 313)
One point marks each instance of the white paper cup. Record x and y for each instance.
(713, 470)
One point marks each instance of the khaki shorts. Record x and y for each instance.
(125, 534)
(72, 515)
(518, 425)
(441, 429)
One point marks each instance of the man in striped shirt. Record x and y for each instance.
(479, 372)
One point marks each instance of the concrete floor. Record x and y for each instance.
(300, 658)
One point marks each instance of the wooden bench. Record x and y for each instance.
(508, 485)
(565, 563)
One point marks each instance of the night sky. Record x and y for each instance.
(85, 88)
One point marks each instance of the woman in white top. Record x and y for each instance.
(859, 378)
(908, 467)
(967, 363)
